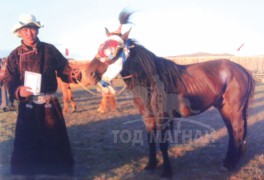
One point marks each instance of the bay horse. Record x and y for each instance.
(223, 84)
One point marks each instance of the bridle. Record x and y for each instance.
(111, 49)
(116, 50)
(122, 52)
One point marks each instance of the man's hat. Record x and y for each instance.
(26, 20)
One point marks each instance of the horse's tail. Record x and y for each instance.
(249, 100)
(124, 16)
(251, 88)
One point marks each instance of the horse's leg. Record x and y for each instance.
(164, 145)
(112, 102)
(65, 98)
(151, 133)
(235, 119)
(150, 124)
(70, 97)
(103, 105)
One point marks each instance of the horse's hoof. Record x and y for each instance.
(151, 166)
(228, 166)
(102, 111)
(73, 110)
(166, 174)
(223, 169)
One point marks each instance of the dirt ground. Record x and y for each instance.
(113, 146)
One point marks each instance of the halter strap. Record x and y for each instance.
(123, 54)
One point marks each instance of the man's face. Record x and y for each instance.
(29, 35)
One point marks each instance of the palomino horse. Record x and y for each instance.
(222, 84)
(67, 91)
(66, 95)
(107, 103)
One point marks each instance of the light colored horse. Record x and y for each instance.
(66, 95)
(108, 101)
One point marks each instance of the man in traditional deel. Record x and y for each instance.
(41, 144)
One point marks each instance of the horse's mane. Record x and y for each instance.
(150, 68)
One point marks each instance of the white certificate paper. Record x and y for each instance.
(33, 80)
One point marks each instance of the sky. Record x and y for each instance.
(165, 27)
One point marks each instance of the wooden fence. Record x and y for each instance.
(254, 64)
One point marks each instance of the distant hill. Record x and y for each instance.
(203, 54)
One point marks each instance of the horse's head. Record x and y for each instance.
(115, 46)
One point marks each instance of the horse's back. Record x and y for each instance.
(210, 83)
(221, 71)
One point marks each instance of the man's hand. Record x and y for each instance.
(25, 91)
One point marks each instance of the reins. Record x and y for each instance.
(100, 95)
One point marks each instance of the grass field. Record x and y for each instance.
(103, 146)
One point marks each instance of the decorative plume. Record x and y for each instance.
(124, 16)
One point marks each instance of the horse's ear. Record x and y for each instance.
(126, 34)
(107, 31)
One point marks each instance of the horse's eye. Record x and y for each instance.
(120, 45)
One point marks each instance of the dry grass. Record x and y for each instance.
(98, 156)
